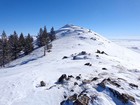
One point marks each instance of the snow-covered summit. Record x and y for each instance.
(95, 72)
(68, 26)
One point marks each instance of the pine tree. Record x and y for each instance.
(14, 45)
(43, 37)
(52, 34)
(21, 42)
(39, 38)
(28, 45)
(46, 40)
(4, 50)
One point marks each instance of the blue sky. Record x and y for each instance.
(111, 18)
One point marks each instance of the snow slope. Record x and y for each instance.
(118, 69)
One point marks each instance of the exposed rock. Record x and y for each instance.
(94, 79)
(101, 52)
(65, 96)
(93, 38)
(88, 64)
(102, 84)
(72, 90)
(42, 83)
(93, 97)
(121, 79)
(64, 57)
(125, 98)
(70, 76)
(62, 78)
(133, 85)
(77, 103)
(113, 82)
(83, 100)
(97, 56)
(98, 51)
(73, 97)
(62, 103)
(86, 81)
(104, 68)
(82, 53)
(78, 77)
(74, 57)
(75, 83)
(77, 100)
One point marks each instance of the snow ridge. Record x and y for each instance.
(82, 68)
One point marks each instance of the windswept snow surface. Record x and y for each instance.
(20, 82)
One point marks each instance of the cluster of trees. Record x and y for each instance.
(13, 46)
(44, 38)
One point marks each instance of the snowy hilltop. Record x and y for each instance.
(82, 68)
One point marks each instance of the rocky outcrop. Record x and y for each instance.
(125, 98)
(77, 100)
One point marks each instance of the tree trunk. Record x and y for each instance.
(45, 50)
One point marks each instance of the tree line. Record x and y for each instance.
(14, 45)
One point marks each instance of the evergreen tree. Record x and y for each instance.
(14, 45)
(43, 37)
(39, 38)
(28, 45)
(46, 40)
(21, 42)
(4, 50)
(52, 34)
